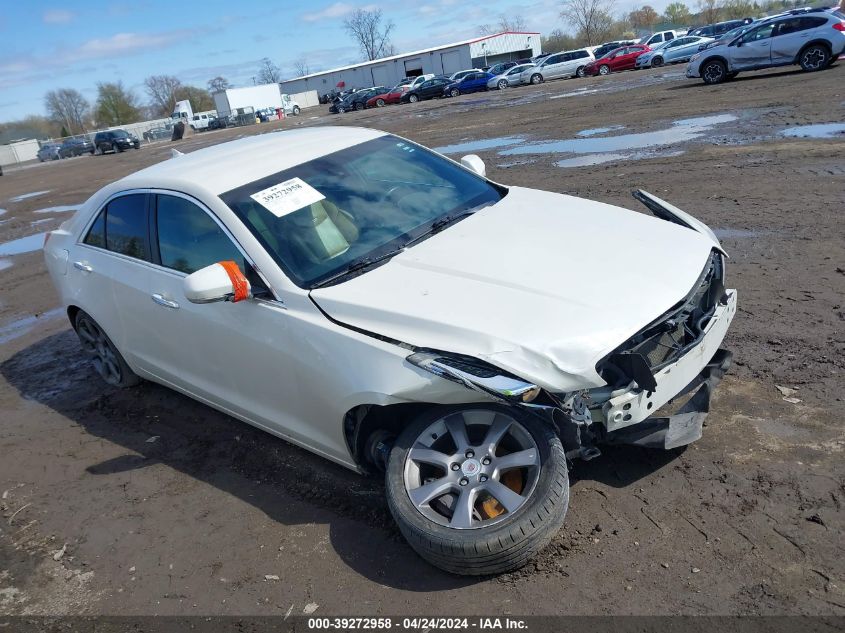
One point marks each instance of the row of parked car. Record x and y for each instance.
(105, 141)
(810, 37)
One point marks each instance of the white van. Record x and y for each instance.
(557, 66)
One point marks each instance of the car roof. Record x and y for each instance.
(224, 167)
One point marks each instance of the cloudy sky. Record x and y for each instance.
(46, 45)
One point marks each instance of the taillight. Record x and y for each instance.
(839, 26)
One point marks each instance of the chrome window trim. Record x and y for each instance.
(157, 267)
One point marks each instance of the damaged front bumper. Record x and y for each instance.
(626, 415)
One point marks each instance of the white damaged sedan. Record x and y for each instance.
(392, 310)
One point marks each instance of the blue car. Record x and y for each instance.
(473, 82)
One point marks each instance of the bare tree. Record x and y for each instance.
(505, 23)
(677, 14)
(370, 32)
(68, 107)
(268, 72)
(644, 18)
(200, 99)
(115, 104)
(162, 91)
(735, 9)
(709, 10)
(301, 67)
(591, 18)
(218, 84)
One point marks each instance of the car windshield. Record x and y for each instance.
(120, 134)
(356, 205)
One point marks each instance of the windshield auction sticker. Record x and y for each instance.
(287, 197)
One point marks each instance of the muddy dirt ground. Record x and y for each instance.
(145, 502)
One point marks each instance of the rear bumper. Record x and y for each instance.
(626, 416)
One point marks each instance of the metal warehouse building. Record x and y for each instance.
(446, 59)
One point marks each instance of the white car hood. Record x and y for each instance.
(542, 285)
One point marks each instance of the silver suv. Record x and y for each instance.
(811, 38)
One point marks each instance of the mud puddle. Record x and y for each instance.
(820, 130)
(62, 208)
(680, 131)
(597, 131)
(22, 326)
(22, 245)
(25, 196)
(477, 146)
(587, 160)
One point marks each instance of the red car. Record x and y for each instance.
(623, 58)
(387, 98)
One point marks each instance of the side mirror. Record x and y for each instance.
(222, 281)
(475, 164)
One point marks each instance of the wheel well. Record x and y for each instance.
(718, 58)
(813, 43)
(362, 422)
(72, 311)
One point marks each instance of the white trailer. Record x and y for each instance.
(257, 97)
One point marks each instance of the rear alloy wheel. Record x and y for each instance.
(604, 69)
(536, 78)
(714, 72)
(502, 84)
(814, 58)
(107, 360)
(413, 98)
(580, 72)
(454, 92)
(657, 62)
(380, 103)
(477, 489)
(359, 106)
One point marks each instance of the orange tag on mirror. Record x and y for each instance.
(239, 281)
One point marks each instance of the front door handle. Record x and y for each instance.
(83, 267)
(167, 303)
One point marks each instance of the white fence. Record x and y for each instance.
(18, 152)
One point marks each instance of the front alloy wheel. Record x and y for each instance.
(714, 72)
(536, 78)
(454, 92)
(814, 58)
(604, 69)
(477, 489)
(413, 98)
(502, 84)
(380, 103)
(657, 62)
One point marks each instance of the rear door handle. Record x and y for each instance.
(167, 303)
(83, 267)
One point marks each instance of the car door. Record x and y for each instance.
(109, 272)
(237, 356)
(552, 67)
(674, 50)
(754, 49)
(624, 59)
(791, 35)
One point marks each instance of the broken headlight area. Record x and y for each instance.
(671, 336)
(479, 376)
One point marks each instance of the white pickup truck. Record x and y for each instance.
(200, 120)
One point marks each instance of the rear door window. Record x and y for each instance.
(126, 226)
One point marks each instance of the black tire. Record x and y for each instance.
(359, 106)
(341, 110)
(713, 71)
(813, 58)
(657, 62)
(536, 78)
(108, 361)
(580, 73)
(604, 69)
(380, 103)
(508, 543)
(413, 98)
(296, 110)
